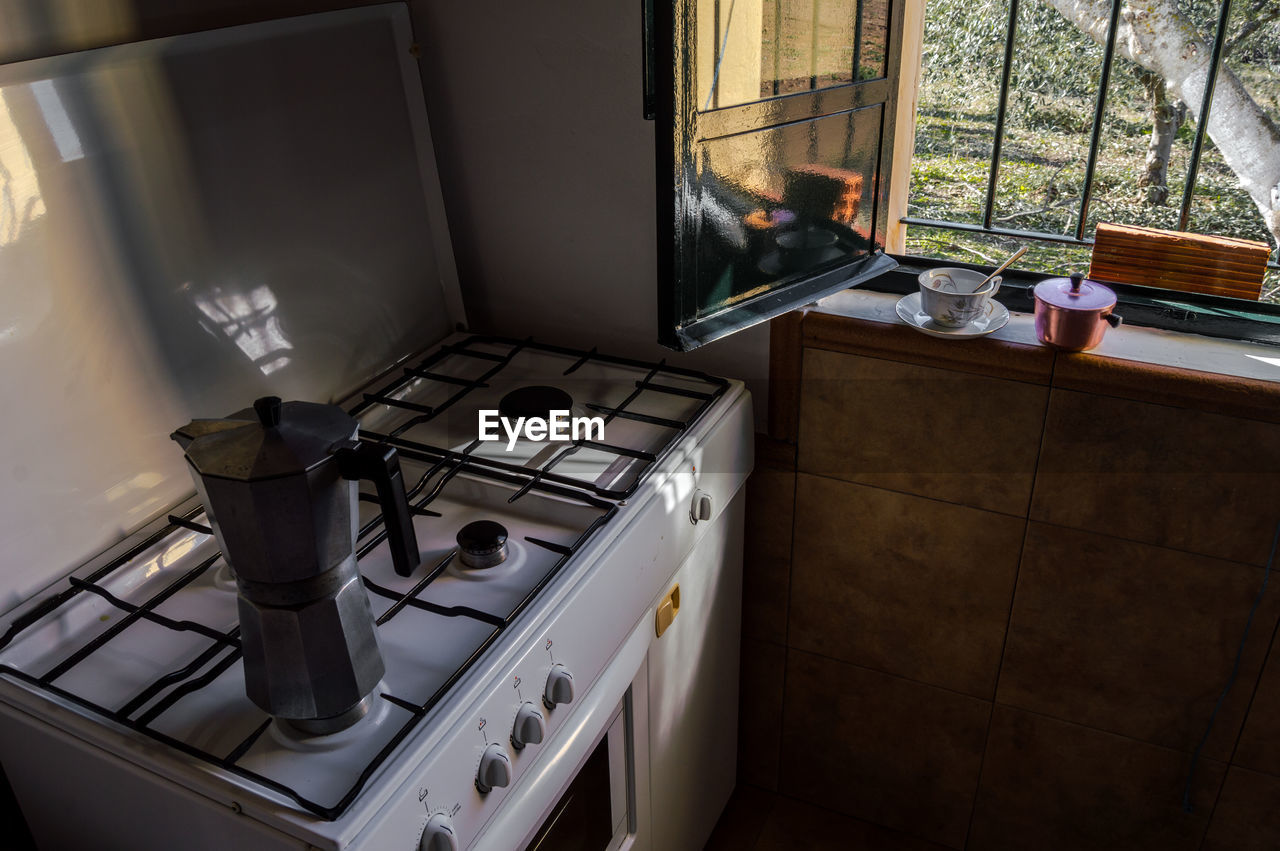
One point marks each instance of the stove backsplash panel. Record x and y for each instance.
(195, 222)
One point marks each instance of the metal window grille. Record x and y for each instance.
(1077, 236)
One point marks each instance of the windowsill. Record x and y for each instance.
(1145, 345)
(1229, 368)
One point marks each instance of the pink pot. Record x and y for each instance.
(1072, 313)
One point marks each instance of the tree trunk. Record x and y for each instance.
(1156, 36)
(1167, 115)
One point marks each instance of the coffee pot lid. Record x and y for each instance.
(269, 440)
(1075, 293)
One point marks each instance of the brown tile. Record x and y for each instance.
(1049, 784)
(886, 750)
(933, 432)
(785, 347)
(1133, 639)
(1247, 817)
(760, 712)
(766, 567)
(894, 341)
(793, 825)
(742, 820)
(1252, 398)
(1169, 476)
(1259, 746)
(906, 585)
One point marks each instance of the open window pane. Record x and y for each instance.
(783, 202)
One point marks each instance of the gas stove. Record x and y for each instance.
(570, 629)
(146, 642)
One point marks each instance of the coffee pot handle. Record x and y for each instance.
(380, 464)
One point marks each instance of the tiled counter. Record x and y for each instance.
(993, 593)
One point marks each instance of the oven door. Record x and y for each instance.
(590, 789)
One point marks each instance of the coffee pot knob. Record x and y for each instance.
(268, 409)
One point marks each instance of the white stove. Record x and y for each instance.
(135, 660)
(586, 681)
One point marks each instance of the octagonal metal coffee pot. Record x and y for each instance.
(279, 484)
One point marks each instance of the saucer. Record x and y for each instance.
(909, 311)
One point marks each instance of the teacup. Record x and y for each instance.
(952, 297)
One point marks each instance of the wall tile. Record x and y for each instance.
(892, 340)
(760, 712)
(886, 750)
(1049, 784)
(796, 826)
(1247, 817)
(1133, 639)
(1259, 746)
(933, 432)
(1168, 476)
(906, 585)
(767, 554)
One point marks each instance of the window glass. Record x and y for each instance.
(757, 49)
(783, 201)
(780, 124)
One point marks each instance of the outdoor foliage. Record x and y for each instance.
(1055, 75)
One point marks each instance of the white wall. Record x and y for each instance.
(547, 168)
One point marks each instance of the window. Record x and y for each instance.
(1030, 131)
(774, 155)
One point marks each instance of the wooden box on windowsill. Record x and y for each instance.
(1179, 261)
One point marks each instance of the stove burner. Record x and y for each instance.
(536, 401)
(326, 726)
(482, 543)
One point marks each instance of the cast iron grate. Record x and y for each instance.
(223, 650)
(706, 391)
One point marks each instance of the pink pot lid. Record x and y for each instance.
(1075, 293)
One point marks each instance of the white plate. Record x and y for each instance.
(909, 311)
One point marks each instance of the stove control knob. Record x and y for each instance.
(700, 508)
(529, 728)
(495, 768)
(438, 835)
(559, 687)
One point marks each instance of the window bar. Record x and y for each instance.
(715, 58)
(813, 48)
(777, 46)
(857, 41)
(1099, 108)
(1206, 103)
(993, 176)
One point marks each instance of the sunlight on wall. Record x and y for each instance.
(20, 200)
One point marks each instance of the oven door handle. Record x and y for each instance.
(540, 788)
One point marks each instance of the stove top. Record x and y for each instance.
(435, 406)
(150, 641)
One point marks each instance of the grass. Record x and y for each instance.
(1046, 144)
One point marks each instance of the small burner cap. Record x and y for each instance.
(482, 543)
(534, 401)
